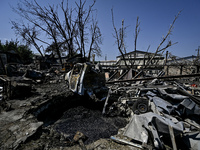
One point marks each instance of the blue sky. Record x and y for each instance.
(155, 17)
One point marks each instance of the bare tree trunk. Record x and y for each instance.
(120, 39)
(137, 30)
(70, 32)
(158, 50)
(95, 39)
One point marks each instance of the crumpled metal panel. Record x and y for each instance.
(189, 104)
(173, 96)
(161, 104)
(191, 108)
(139, 124)
(135, 129)
(192, 140)
(162, 123)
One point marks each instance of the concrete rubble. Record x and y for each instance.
(81, 109)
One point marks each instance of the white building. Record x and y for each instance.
(139, 58)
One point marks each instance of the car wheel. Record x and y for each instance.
(141, 106)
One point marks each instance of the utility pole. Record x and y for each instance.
(166, 57)
(197, 59)
(198, 51)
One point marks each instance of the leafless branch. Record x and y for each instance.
(71, 33)
(119, 36)
(158, 50)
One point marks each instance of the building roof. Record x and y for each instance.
(183, 58)
(107, 61)
(137, 51)
(188, 57)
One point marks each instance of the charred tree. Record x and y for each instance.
(96, 39)
(69, 34)
(137, 31)
(160, 50)
(28, 34)
(119, 36)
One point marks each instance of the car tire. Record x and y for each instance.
(141, 106)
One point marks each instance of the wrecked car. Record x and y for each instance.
(86, 78)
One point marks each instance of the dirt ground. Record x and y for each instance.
(50, 117)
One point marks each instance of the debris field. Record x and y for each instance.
(80, 109)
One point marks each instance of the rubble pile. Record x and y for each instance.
(23, 119)
(164, 114)
(50, 115)
(49, 109)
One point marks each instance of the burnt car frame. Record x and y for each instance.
(85, 78)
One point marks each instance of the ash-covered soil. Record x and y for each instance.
(63, 113)
(90, 122)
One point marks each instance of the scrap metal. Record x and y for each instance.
(86, 79)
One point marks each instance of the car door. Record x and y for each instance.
(74, 80)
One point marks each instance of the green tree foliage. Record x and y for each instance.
(23, 51)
